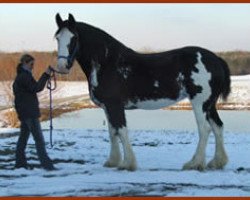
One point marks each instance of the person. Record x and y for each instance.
(25, 89)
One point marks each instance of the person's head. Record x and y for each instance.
(27, 60)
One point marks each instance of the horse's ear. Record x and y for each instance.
(72, 20)
(59, 20)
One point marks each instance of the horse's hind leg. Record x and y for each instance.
(198, 160)
(220, 157)
(117, 129)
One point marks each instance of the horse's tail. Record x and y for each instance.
(226, 86)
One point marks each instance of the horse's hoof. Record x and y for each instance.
(110, 164)
(194, 166)
(127, 167)
(121, 167)
(217, 163)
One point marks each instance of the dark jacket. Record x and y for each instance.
(25, 88)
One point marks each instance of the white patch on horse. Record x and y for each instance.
(115, 158)
(153, 104)
(94, 73)
(220, 156)
(94, 82)
(180, 79)
(63, 38)
(129, 161)
(156, 84)
(124, 71)
(106, 52)
(202, 78)
(115, 154)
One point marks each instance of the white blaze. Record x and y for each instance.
(63, 38)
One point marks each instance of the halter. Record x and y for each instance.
(70, 58)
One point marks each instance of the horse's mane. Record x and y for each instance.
(95, 35)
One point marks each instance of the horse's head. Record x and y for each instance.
(67, 38)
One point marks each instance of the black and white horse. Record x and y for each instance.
(120, 78)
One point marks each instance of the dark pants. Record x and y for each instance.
(33, 126)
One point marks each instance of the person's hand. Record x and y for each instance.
(49, 70)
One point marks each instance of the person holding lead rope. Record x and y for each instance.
(25, 89)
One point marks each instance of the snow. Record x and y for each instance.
(241, 78)
(64, 89)
(162, 141)
(81, 148)
(68, 89)
(240, 89)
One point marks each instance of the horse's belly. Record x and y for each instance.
(153, 104)
(150, 104)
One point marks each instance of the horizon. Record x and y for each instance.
(139, 51)
(150, 26)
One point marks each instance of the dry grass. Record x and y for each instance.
(219, 106)
(11, 118)
(9, 61)
(238, 61)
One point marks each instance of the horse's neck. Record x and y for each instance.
(86, 67)
(87, 58)
(94, 52)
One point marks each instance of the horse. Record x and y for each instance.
(120, 79)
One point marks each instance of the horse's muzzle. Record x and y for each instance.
(62, 70)
(62, 64)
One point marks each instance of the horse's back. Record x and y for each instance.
(161, 79)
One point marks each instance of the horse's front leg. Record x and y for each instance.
(115, 154)
(117, 129)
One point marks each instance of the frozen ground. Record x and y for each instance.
(162, 140)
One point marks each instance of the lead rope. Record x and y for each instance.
(50, 88)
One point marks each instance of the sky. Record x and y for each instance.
(142, 27)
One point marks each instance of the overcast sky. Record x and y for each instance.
(218, 27)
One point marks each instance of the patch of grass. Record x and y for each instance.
(43, 60)
(12, 119)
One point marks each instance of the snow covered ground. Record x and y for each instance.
(162, 141)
